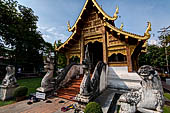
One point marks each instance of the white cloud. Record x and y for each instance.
(51, 30)
(153, 42)
(51, 34)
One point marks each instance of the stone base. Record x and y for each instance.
(83, 99)
(119, 78)
(44, 90)
(48, 91)
(6, 92)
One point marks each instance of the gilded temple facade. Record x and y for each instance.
(105, 41)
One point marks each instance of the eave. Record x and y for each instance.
(66, 42)
(127, 34)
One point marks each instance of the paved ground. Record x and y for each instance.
(39, 107)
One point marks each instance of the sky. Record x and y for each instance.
(134, 14)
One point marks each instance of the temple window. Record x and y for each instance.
(117, 58)
(74, 59)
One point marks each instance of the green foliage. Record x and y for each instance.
(167, 95)
(3, 103)
(32, 84)
(155, 56)
(60, 57)
(18, 30)
(166, 109)
(93, 107)
(20, 91)
(61, 60)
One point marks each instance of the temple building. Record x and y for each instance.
(105, 41)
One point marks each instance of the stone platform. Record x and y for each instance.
(6, 92)
(119, 78)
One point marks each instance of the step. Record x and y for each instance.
(74, 86)
(66, 93)
(68, 97)
(70, 88)
(78, 80)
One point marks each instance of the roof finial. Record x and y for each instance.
(121, 27)
(68, 25)
(147, 30)
(117, 11)
(55, 46)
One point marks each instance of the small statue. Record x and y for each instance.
(149, 98)
(9, 79)
(46, 81)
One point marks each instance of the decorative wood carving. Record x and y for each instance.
(123, 52)
(93, 40)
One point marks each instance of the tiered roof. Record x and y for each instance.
(107, 18)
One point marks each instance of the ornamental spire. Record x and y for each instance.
(147, 30)
(68, 25)
(116, 12)
(121, 27)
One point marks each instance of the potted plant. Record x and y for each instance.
(93, 107)
(20, 93)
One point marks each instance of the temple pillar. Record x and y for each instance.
(67, 57)
(104, 46)
(82, 49)
(129, 60)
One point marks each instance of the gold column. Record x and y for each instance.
(67, 57)
(129, 60)
(82, 49)
(104, 46)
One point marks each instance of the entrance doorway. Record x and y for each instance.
(95, 52)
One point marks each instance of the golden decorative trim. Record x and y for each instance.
(93, 37)
(66, 42)
(68, 25)
(126, 33)
(94, 40)
(118, 47)
(55, 46)
(121, 27)
(147, 34)
(117, 63)
(132, 48)
(115, 14)
(123, 52)
(100, 10)
(126, 37)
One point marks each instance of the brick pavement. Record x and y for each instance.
(39, 107)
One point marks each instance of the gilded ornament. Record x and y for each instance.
(115, 14)
(68, 25)
(121, 27)
(147, 30)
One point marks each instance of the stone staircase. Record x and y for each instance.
(119, 78)
(71, 89)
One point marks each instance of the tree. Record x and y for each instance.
(158, 56)
(18, 30)
(165, 41)
(155, 56)
(60, 57)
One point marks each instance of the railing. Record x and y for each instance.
(69, 72)
(90, 88)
